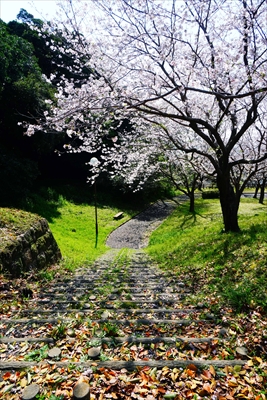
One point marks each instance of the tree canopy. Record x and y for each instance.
(194, 70)
(31, 52)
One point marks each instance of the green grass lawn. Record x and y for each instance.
(230, 266)
(70, 212)
(75, 231)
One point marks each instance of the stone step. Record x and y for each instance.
(134, 272)
(129, 365)
(135, 297)
(6, 339)
(88, 278)
(117, 339)
(114, 310)
(134, 287)
(102, 303)
(140, 321)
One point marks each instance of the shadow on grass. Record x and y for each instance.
(48, 197)
(255, 230)
(190, 218)
(42, 205)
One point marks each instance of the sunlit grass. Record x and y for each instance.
(232, 265)
(70, 212)
(75, 231)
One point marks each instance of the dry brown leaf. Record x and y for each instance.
(212, 370)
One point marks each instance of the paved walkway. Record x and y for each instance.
(134, 234)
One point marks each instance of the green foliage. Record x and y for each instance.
(51, 397)
(23, 91)
(246, 294)
(15, 62)
(33, 90)
(231, 266)
(20, 74)
(110, 329)
(48, 48)
(26, 17)
(38, 354)
(59, 331)
(210, 194)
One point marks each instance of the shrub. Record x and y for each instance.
(210, 194)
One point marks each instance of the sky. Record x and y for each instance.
(43, 9)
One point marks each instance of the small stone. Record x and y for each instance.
(170, 395)
(105, 315)
(71, 332)
(81, 391)
(92, 297)
(30, 392)
(98, 333)
(200, 305)
(223, 332)
(79, 314)
(94, 352)
(210, 316)
(54, 352)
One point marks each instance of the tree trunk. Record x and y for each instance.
(192, 202)
(262, 187)
(256, 191)
(229, 203)
(191, 193)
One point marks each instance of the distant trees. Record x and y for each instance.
(260, 181)
(23, 89)
(31, 52)
(54, 48)
(23, 92)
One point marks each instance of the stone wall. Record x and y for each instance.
(35, 248)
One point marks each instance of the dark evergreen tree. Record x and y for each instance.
(23, 91)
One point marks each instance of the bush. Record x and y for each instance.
(210, 194)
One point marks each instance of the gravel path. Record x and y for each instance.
(134, 234)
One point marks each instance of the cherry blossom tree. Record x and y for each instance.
(185, 172)
(259, 181)
(195, 70)
(242, 173)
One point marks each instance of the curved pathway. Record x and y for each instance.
(134, 234)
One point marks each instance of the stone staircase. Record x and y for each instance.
(122, 314)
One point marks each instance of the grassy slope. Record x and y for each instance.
(75, 233)
(13, 222)
(230, 267)
(70, 212)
